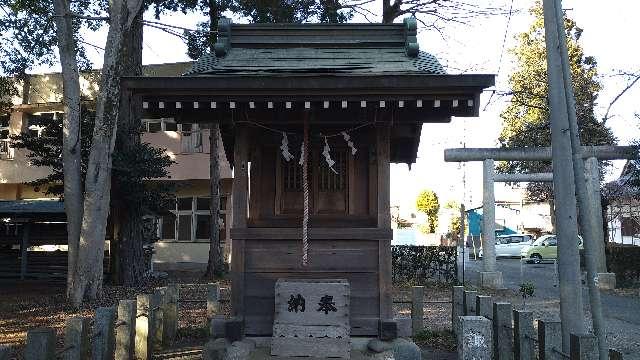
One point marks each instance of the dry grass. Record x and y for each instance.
(27, 305)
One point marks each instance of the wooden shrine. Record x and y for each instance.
(360, 94)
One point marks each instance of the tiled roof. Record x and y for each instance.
(316, 48)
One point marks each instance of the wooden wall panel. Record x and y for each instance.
(328, 255)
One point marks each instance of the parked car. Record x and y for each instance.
(511, 245)
(544, 248)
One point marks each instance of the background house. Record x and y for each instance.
(623, 210)
(183, 231)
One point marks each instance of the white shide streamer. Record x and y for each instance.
(285, 148)
(347, 138)
(327, 156)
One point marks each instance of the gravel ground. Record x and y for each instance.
(27, 305)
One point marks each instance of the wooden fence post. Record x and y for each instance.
(417, 309)
(470, 302)
(104, 333)
(170, 314)
(41, 344)
(549, 340)
(474, 338)
(158, 320)
(126, 330)
(76, 339)
(503, 330)
(484, 306)
(584, 347)
(457, 306)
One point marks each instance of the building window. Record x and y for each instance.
(292, 176)
(328, 180)
(190, 220)
(6, 152)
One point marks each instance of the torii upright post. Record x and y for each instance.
(489, 277)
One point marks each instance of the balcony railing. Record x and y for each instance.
(6, 151)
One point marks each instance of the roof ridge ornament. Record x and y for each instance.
(411, 30)
(224, 37)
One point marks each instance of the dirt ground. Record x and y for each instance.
(32, 304)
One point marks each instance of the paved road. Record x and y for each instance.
(622, 313)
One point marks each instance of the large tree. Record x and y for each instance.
(526, 118)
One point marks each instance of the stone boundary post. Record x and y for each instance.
(484, 306)
(503, 330)
(126, 330)
(213, 301)
(549, 340)
(146, 308)
(104, 333)
(615, 354)
(41, 344)
(417, 309)
(470, 302)
(170, 314)
(76, 339)
(523, 335)
(474, 338)
(5, 352)
(158, 321)
(457, 306)
(584, 347)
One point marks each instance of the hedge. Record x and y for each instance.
(624, 260)
(423, 264)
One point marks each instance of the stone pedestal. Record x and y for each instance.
(491, 280)
(311, 318)
(606, 281)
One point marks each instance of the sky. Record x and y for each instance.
(479, 46)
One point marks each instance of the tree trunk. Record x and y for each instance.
(390, 11)
(215, 265)
(88, 283)
(129, 233)
(71, 154)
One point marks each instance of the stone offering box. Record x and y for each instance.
(311, 318)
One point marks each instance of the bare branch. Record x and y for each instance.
(615, 99)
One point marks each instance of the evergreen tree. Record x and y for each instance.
(526, 118)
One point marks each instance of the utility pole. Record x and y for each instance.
(587, 218)
(571, 306)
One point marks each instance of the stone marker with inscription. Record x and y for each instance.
(311, 318)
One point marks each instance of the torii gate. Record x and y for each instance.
(490, 277)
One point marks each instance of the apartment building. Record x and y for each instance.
(184, 234)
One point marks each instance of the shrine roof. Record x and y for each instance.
(316, 48)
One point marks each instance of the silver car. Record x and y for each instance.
(511, 245)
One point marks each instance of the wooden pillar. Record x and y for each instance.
(384, 219)
(240, 181)
(24, 245)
